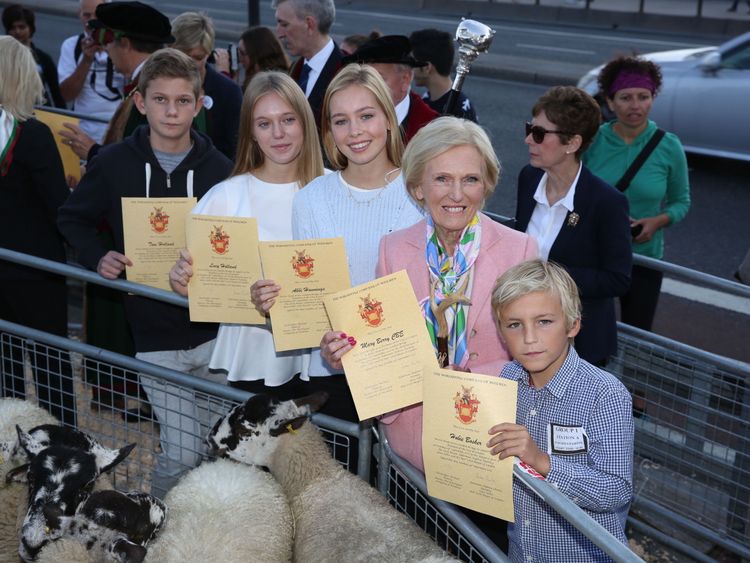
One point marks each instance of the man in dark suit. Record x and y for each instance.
(304, 29)
(391, 56)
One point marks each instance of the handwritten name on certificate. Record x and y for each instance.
(458, 410)
(384, 370)
(225, 264)
(154, 231)
(307, 271)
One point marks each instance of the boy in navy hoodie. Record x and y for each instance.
(163, 159)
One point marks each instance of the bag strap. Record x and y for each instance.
(624, 182)
(78, 49)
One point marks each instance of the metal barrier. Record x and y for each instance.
(695, 404)
(692, 441)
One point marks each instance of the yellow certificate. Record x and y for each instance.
(458, 410)
(384, 370)
(307, 271)
(70, 160)
(154, 232)
(225, 264)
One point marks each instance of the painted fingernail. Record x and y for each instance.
(352, 341)
(342, 335)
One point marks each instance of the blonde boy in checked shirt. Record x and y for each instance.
(573, 424)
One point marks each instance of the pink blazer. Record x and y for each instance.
(501, 248)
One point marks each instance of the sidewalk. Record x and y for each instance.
(665, 16)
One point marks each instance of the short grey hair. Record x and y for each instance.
(191, 30)
(324, 11)
(441, 135)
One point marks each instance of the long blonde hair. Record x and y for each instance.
(20, 87)
(249, 156)
(368, 78)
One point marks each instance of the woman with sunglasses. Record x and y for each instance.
(579, 221)
(659, 193)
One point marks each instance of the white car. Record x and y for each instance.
(705, 97)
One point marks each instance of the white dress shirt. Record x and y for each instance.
(547, 220)
(402, 109)
(316, 65)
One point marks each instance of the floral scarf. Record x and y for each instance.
(449, 272)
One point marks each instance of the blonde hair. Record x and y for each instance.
(20, 87)
(538, 275)
(169, 63)
(249, 156)
(192, 29)
(441, 135)
(368, 78)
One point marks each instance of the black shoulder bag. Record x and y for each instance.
(624, 182)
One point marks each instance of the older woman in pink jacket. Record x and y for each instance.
(454, 255)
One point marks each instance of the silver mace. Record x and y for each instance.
(473, 37)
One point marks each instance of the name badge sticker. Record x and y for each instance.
(567, 440)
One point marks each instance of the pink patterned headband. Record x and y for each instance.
(631, 79)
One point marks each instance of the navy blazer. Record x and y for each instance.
(596, 252)
(332, 66)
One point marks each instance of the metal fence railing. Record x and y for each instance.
(692, 442)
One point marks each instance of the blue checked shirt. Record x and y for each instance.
(600, 480)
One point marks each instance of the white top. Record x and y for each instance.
(246, 352)
(95, 101)
(546, 221)
(316, 65)
(327, 208)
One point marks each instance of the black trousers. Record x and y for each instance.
(39, 303)
(638, 305)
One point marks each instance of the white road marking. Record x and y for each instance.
(553, 48)
(706, 296)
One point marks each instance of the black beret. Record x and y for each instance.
(134, 19)
(395, 49)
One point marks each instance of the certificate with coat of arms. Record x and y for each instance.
(225, 264)
(461, 408)
(154, 232)
(307, 271)
(384, 370)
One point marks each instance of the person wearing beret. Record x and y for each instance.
(303, 26)
(391, 56)
(129, 33)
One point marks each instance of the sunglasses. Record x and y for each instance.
(538, 132)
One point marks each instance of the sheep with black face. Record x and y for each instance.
(337, 516)
(60, 476)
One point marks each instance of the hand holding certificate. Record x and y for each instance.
(225, 264)
(154, 232)
(384, 370)
(458, 411)
(307, 272)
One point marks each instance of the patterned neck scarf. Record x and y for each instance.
(447, 273)
(8, 136)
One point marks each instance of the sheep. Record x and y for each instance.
(60, 475)
(13, 412)
(337, 516)
(225, 511)
(109, 526)
(13, 496)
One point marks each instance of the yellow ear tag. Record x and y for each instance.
(290, 428)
